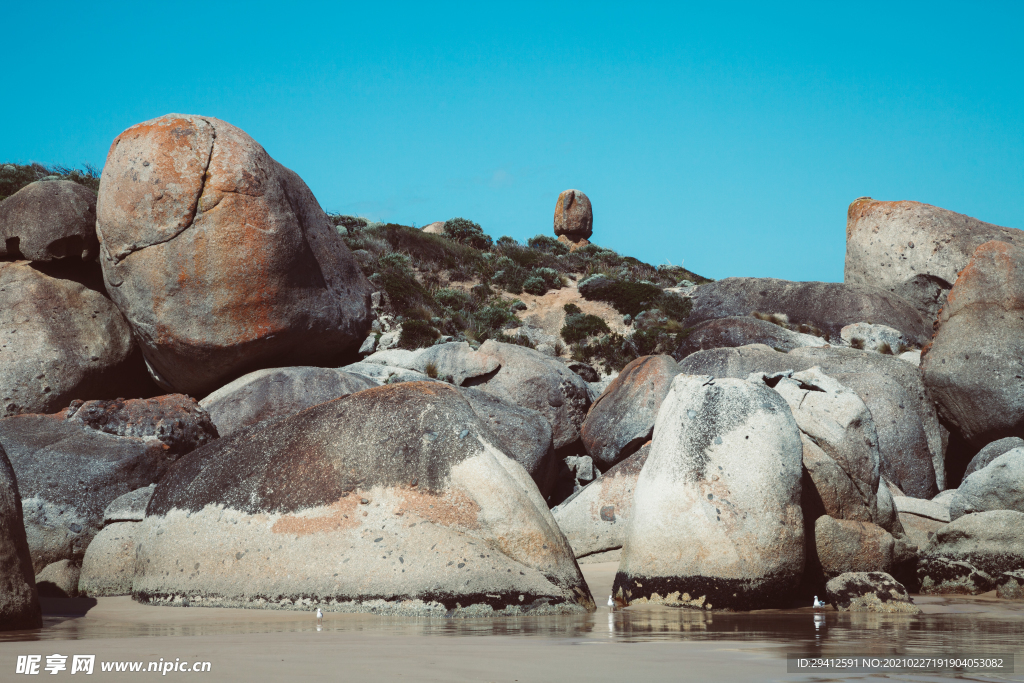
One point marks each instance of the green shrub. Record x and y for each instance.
(628, 298)
(495, 317)
(428, 249)
(506, 241)
(416, 334)
(517, 339)
(535, 285)
(13, 177)
(467, 232)
(548, 244)
(403, 289)
(580, 326)
(454, 299)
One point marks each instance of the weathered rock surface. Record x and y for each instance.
(530, 379)
(179, 422)
(59, 341)
(912, 249)
(839, 428)
(919, 530)
(68, 473)
(49, 221)
(385, 374)
(523, 435)
(59, 580)
(594, 520)
(109, 564)
(395, 499)
(997, 486)
(220, 258)
(19, 601)
(869, 592)
(131, 507)
(940, 575)
(991, 452)
(923, 508)
(275, 393)
(574, 216)
(435, 228)
(989, 543)
(878, 338)
(716, 520)
(909, 435)
(846, 545)
(828, 306)
(974, 366)
(455, 360)
(1011, 585)
(741, 331)
(622, 418)
(739, 362)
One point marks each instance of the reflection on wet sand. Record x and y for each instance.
(955, 623)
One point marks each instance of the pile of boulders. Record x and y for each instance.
(857, 440)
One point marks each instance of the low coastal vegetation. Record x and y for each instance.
(463, 285)
(13, 177)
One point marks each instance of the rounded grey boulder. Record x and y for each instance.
(741, 331)
(869, 592)
(975, 362)
(530, 379)
(622, 418)
(997, 486)
(395, 499)
(276, 393)
(717, 522)
(595, 518)
(60, 341)
(108, 567)
(984, 544)
(991, 452)
(49, 221)
(828, 306)
(68, 474)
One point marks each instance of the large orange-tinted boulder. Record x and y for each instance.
(914, 250)
(220, 258)
(574, 217)
(974, 366)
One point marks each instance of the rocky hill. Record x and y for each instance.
(214, 393)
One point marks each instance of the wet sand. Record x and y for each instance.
(652, 644)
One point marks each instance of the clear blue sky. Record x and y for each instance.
(731, 137)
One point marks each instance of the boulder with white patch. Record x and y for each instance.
(392, 500)
(716, 518)
(595, 518)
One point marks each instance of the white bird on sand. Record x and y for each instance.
(611, 603)
(319, 614)
(818, 604)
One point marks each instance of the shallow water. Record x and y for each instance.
(953, 624)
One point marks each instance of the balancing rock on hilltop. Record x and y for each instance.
(395, 499)
(914, 250)
(574, 218)
(49, 220)
(220, 258)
